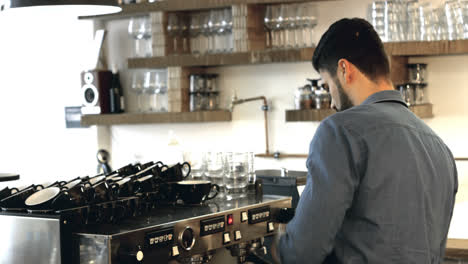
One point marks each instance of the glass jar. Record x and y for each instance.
(196, 102)
(322, 99)
(407, 91)
(211, 82)
(303, 97)
(417, 73)
(420, 97)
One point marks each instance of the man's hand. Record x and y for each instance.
(274, 247)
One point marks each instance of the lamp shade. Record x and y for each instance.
(79, 7)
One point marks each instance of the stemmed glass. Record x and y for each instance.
(216, 30)
(149, 88)
(139, 28)
(291, 25)
(270, 26)
(195, 32)
(173, 29)
(183, 32)
(205, 43)
(310, 23)
(137, 87)
(283, 21)
(228, 30)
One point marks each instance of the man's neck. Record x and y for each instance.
(368, 88)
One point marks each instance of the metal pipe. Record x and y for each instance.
(265, 108)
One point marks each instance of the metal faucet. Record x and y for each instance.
(235, 101)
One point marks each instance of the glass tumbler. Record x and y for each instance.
(197, 161)
(215, 169)
(236, 177)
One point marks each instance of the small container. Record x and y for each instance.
(211, 82)
(407, 91)
(420, 97)
(417, 73)
(303, 97)
(197, 83)
(212, 102)
(323, 98)
(196, 102)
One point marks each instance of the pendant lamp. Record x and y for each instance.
(79, 7)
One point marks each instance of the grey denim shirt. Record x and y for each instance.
(380, 188)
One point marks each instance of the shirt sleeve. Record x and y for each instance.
(333, 167)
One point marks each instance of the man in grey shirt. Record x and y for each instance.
(381, 184)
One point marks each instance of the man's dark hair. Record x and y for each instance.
(355, 40)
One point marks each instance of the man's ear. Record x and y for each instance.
(345, 70)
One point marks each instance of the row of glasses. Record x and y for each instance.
(139, 29)
(206, 32)
(232, 171)
(400, 20)
(150, 87)
(290, 25)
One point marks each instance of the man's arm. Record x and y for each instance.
(334, 166)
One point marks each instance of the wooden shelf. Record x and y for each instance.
(183, 5)
(308, 115)
(422, 111)
(151, 118)
(427, 48)
(244, 58)
(292, 55)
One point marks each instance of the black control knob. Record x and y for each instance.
(131, 256)
(187, 238)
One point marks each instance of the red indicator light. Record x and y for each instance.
(230, 219)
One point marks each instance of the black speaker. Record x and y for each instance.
(95, 87)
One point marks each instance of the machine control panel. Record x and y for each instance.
(212, 226)
(160, 238)
(259, 215)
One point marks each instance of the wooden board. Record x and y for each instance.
(243, 58)
(422, 111)
(308, 115)
(427, 48)
(184, 5)
(152, 118)
(457, 249)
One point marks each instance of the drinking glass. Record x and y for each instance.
(138, 78)
(197, 161)
(236, 177)
(251, 160)
(215, 168)
(269, 26)
(184, 32)
(206, 33)
(311, 22)
(228, 42)
(139, 28)
(173, 28)
(195, 32)
(152, 87)
(377, 18)
(291, 25)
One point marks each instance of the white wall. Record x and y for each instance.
(40, 63)
(447, 91)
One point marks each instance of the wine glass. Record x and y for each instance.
(269, 26)
(184, 31)
(149, 88)
(173, 29)
(139, 28)
(310, 24)
(195, 32)
(205, 32)
(228, 29)
(137, 87)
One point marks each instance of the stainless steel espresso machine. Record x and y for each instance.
(140, 229)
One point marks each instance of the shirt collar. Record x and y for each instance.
(385, 96)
